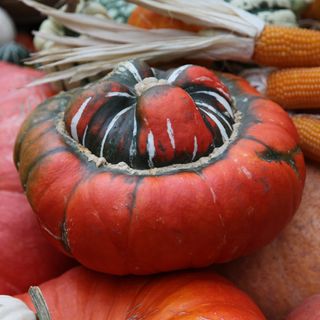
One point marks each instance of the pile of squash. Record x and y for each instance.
(156, 188)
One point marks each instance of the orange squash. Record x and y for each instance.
(147, 19)
(148, 171)
(82, 294)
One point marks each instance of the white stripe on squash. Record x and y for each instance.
(220, 99)
(151, 148)
(219, 124)
(176, 73)
(76, 118)
(170, 133)
(110, 126)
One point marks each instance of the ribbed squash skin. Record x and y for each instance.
(82, 294)
(119, 221)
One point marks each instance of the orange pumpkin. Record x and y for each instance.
(83, 294)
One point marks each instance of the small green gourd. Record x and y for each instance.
(118, 10)
(13, 52)
(280, 12)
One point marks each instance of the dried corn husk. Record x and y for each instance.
(104, 42)
(210, 14)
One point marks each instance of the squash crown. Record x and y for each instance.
(149, 118)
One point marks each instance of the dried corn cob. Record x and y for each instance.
(281, 46)
(308, 127)
(296, 88)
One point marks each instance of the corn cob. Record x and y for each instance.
(283, 47)
(308, 127)
(293, 88)
(296, 88)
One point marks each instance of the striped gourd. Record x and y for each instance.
(146, 160)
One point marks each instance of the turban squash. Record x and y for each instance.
(84, 294)
(148, 170)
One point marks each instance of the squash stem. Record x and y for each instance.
(39, 303)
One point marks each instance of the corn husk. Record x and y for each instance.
(207, 13)
(104, 43)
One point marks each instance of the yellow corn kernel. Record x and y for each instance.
(282, 46)
(308, 127)
(296, 88)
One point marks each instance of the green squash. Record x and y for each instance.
(13, 52)
(119, 10)
(281, 12)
